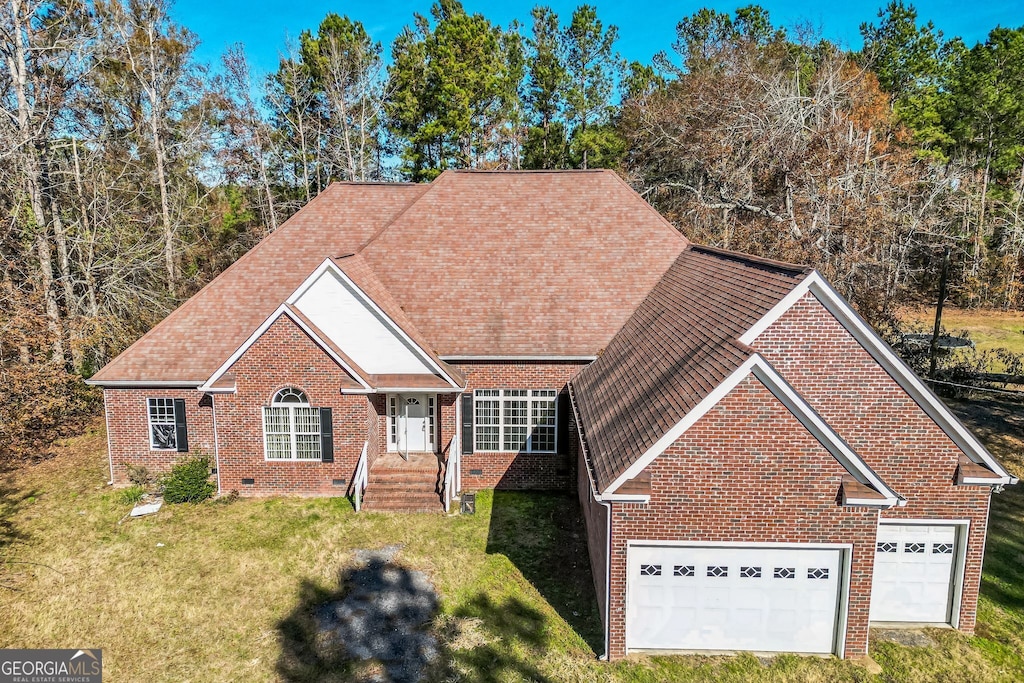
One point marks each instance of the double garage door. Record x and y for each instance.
(781, 599)
(726, 598)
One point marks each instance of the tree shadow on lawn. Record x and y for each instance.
(11, 501)
(381, 624)
(543, 535)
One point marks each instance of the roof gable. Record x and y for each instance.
(355, 331)
(759, 368)
(884, 355)
(195, 339)
(373, 341)
(677, 348)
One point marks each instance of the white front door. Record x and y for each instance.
(414, 417)
(729, 599)
(913, 573)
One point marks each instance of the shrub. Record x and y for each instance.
(131, 495)
(139, 475)
(189, 481)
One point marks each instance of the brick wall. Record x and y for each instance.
(520, 470)
(883, 425)
(748, 471)
(285, 356)
(127, 416)
(595, 521)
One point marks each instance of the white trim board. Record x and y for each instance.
(793, 402)
(283, 309)
(884, 355)
(513, 359)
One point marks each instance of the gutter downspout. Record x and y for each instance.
(216, 441)
(110, 452)
(608, 533)
(607, 582)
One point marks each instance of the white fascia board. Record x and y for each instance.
(890, 362)
(534, 358)
(281, 310)
(141, 384)
(624, 498)
(697, 412)
(811, 421)
(986, 481)
(330, 265)
(817, 426)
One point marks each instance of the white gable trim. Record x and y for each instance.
(697, 412)
(330, 265)
(282, 310)
(890, 362)
(796, 405)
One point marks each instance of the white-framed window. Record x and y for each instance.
(516, 420)
(291, 427)
(163, 433)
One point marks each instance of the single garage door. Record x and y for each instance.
(913, 578)
(728, 599)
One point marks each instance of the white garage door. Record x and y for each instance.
(913, 573)
(755, 599)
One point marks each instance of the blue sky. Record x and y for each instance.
(645, 27)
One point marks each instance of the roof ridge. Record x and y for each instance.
(650, 207)
(428, 188)
(757, 261)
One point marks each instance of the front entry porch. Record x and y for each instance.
(399, 485)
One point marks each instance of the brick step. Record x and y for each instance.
(423, 484)
(409, 499)
(414, 504)
(398, 475)
(412, 482)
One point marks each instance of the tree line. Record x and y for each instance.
(131, 173)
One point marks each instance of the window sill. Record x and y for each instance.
(318, 461)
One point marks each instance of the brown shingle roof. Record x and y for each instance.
(679, 345)
(356, 267)
(524, 263)
(480, 263)
(193, 341)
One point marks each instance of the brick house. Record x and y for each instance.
(757, 470)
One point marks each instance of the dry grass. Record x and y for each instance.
(214, 602)
(990, 329)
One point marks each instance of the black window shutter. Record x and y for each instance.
(326, 436)
(180, 426)
(467, 424)
(563, 416)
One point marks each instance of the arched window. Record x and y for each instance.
(291, 427)
(290, 395)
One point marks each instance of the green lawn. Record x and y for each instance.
(225, 591)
